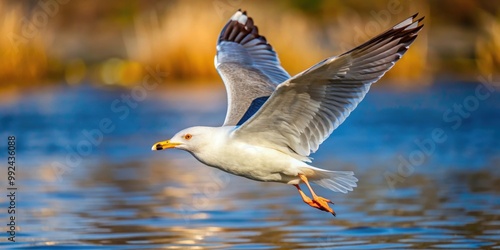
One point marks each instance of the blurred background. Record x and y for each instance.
(109, 43)
(87, 87)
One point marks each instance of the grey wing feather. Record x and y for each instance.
(247, 64)
(305, 110)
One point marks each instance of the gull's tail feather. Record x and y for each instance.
(338, 181)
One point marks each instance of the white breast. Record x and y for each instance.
(253, 162)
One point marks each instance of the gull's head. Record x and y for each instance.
(189, 139)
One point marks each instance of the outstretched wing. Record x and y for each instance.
(248, 66)
(305, 110)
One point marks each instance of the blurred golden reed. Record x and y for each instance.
(24, 59)
(182, 40)
(113, 43)
(488, 45)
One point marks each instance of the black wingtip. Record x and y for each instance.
(399, 31)
(238, 32)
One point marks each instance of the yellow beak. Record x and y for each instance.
(164, 145)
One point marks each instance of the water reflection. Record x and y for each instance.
(158, 204)
(125, 196)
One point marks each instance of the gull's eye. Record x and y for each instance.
(187, 136)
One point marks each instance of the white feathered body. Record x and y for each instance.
(254, 162)
(221, 150)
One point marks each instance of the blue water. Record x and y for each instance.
(429, 176)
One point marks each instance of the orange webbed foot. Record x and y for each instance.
(311, 203)
(317, 202)
(323, 204)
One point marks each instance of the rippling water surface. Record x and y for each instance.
(414, 191)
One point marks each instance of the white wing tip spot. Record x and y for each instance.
(242, 19)
(412, 26)
(236, 15)
(403, 23)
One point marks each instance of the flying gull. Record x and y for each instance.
(274, 121)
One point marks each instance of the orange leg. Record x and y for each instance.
(306, 199)
(317, 201)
